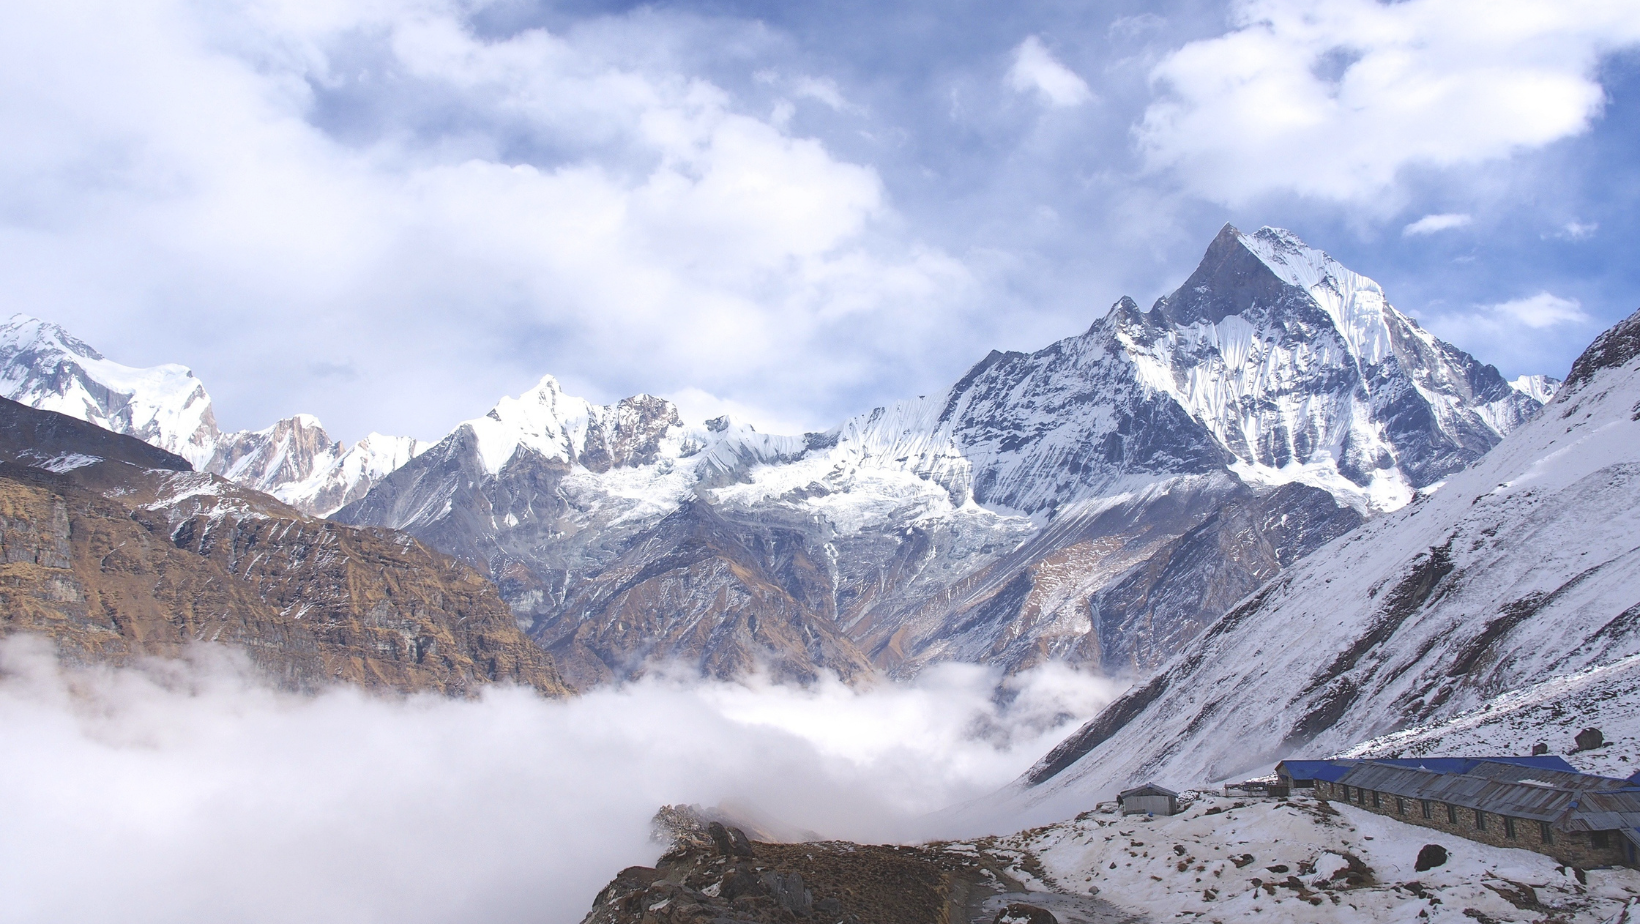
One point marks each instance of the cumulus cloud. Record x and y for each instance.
(185, 792)
(1429, 224)
(1036, 70)
(242, 186)
(1539, 311)
(1334, 98)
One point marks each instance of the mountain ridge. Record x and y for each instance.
(1513, 574)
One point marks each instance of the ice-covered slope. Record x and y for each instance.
(43, 366)
(1519, 570)
(1100, 500)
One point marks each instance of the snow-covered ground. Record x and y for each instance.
(1300, 860)
(1605, 698)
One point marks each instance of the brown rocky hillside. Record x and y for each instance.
(114, 553)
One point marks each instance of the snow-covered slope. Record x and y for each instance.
(1099, 500)
(1519, 570)
(43, 366)
(1299, 862)
(1552, 713)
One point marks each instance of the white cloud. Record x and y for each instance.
(197, 795)
(1036, 70)
(243, 187)
(1429, 224)
(1539, 311)
(1333, 98)
(1578, 230)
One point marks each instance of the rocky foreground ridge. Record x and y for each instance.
(1289, 861)
(115, 550)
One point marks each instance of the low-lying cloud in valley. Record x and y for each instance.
(191, 791)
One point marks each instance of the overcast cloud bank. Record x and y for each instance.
(189, 792)
(389, 212)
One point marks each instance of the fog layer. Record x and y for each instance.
(192, 792)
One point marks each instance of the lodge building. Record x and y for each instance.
(1579, 819)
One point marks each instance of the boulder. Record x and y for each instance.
(1021, 913)
(1431, 856)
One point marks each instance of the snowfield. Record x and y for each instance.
(1301, 860)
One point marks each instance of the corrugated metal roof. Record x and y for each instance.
(1471, 764)
(1329, 770)
(1562, 799)
(1334, 768)
(1149, 789)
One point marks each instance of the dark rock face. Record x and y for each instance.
(113, 560)
(1429, 857)
(1612, 349)
(699, 881)
(38, 437)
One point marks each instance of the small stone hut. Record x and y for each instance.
(1149, 799)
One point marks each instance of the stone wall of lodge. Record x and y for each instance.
(1573, 848)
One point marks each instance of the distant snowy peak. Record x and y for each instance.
(1539, 388)
(297, 462)
(574, 431)
(44, 366)
(1303, 371)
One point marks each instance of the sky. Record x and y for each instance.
(198, 794)
(390, 213)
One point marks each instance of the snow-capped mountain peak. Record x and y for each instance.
(1537, 387)
(44, 366)
(1303, 371)
(572, 430)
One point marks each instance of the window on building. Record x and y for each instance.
(1451, 813)
(1346, 794)
(1599, 839)
(1400, 806)
(1375, 802)
(1508, 827)
(1424, 806)
(1480, 820)
(1545, 833)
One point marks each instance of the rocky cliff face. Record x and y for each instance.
(43, 366)
(114, 550)
(1101, 499)
(1515, 576)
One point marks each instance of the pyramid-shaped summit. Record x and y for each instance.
(1303, 371)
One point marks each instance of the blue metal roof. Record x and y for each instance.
(1468, 764)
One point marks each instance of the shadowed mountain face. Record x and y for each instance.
(1101, 500)
(114, 550)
